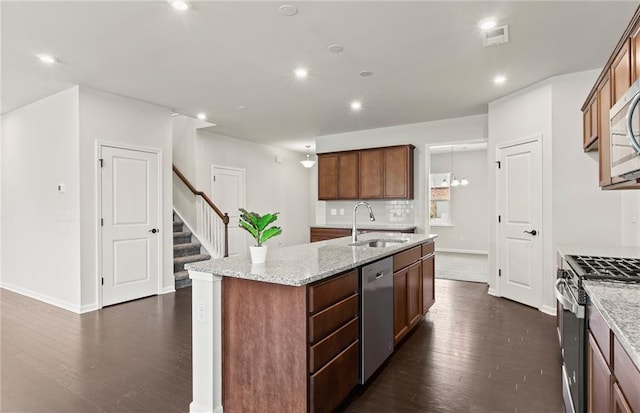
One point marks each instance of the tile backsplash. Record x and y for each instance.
(386, 212)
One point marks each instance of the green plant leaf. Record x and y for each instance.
(254, 232)
(251, 217)
(266, 219)
(270, 233)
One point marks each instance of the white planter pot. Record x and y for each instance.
(258, 254)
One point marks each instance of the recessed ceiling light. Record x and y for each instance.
(202, 116)
(47, 58)
(499, 79)
(181, 5)
(288, 10)
(366, 73)
(301, 72)
(488, 24)
(242, 107)
(335, 48)
(356, 105)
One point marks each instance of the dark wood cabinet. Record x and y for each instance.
(590, 125)
(398, 172)
(613, 380)
(428, 282)
(371, 173)
(338, 175)
(619, 72)
(376, 173)
(290, 349)
(327, 176)
(348, 173)
(620, 404)
(412, 285)
(600, 379)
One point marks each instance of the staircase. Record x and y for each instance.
(185, 250)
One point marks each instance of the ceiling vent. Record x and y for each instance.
(495, 36)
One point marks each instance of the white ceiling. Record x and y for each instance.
(427, 58)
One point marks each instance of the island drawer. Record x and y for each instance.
(332, 318)
(331, 346)
(406, 258)
(428, 248)
(600, 331)
(327, 293)
(331, 384)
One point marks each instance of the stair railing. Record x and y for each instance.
(212, 225)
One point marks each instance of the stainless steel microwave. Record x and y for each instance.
(625, 133)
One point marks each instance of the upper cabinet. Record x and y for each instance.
(376, 173)
(621, 70)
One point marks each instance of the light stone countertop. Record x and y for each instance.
(381, 227)
(598, 251)
(306, 263)
(619, 304)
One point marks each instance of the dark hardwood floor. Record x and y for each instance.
(132, 357)
(472, 353)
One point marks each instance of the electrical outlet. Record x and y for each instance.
(202, 311)
(334, 211)
(341, 211)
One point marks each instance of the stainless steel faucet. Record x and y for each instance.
(354, 230)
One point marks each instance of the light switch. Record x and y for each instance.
(341, 211)
(334, 211)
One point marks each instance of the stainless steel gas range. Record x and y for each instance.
(573, 302)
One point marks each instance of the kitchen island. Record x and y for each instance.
(284, 336)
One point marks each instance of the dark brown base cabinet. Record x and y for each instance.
(613, 383)
(413, 288)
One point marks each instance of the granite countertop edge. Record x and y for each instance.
(237, 267)
(622, 321)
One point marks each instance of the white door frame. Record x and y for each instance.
(98, 211)
(244, 194)
(505, 145)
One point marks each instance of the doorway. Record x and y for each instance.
(519, 208)
(130, 258)
(228, 192)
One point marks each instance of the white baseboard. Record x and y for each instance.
(493, 292)
(548, 310)
(461, 251)
(167, 290)
(88, 308)
(43, 297)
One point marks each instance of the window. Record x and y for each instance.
(439, 199)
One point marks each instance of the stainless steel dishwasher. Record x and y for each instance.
(376, 321)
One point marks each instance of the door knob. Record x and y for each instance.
(153, 231)
(532, 232)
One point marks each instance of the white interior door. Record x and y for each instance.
(519, 203)
(229, 195)
(130, 230)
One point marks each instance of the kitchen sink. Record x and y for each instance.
(378, 243)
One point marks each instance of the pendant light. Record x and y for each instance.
(454, 180)
(308, 163)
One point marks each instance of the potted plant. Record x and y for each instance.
(258, 226)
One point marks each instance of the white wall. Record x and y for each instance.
(270, 186)
(468, 203)
(470, 128)
(108, 118)
(575, 210)
(41, 227)
(630, 214)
